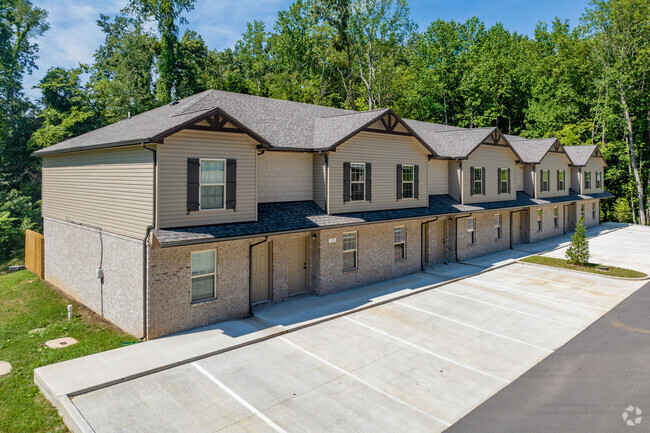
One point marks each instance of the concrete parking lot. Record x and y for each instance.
(419, 363)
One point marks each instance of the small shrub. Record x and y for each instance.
(578, 251)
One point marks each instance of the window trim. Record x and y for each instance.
(362, 182)
(403, 243)
(472, 240)
(556, 217)
(599, 180)
(214, 274)
(356, 250)
(540, 224)
(587, 180)
(545, 183)
(480, 181)
(504, 183)
(498, 224)
(224, 184)
(412, 182)
(582, 211)
(560, 178)
(593, 210)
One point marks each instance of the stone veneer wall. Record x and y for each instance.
(548, 226)
(486, 235)
(72, 255)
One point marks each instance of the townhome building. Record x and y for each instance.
(200, 210)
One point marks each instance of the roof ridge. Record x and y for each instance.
(352, 113)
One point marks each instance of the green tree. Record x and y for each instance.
(578, 251)
(622, 211)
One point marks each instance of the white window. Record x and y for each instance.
(471, 230)
(349, 251)
(400, 243)
(587, 180)
(357, 182)
(478, 181)
(539, 220)
(582, 210)
(593, 211)
(497, 225)
(407, 181)
(503, 184)
(599, 179)
(213, 183)
(204, 281)
(556, 221)
(544, 180)
(560, 180)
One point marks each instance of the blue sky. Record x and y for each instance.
(74, 35)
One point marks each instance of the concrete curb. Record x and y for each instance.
(647, 277)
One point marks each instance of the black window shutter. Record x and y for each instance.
(483, 178)
(231, 184)
(558, 180)
(498, 181)
(399, 181)
(346, 182)
(508, 180)
(471, 181)
(193, 172)
(416, 182)
(368, 181)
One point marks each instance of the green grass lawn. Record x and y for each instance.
(4, 267)
(590, 267)
(31, 313)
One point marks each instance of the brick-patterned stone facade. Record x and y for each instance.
(486, 237)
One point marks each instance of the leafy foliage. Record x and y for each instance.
(578, 251)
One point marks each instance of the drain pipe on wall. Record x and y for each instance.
(424, 223)
(513, 212)
(250, 273)
(144, 244)
(456, 243)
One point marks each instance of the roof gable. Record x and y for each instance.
(580, 155)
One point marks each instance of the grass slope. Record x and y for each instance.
(31, 313)
(590, 267)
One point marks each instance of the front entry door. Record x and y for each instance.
(298, 272)
(516, 228)
(261, 273)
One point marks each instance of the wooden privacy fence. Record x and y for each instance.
(34, 257)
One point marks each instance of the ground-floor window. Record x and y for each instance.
(582, 211)
(556, 220)
(497, 225)
(593, 211)
(472, 230)
(350, 251)
(400, 243)
(204, 278)
(539, 220)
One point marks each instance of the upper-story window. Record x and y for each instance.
(213, 184)
(407, 181)
(560, 180)
(587, 180)
(504, 180)
(599, 179)
(544, 186)
(477, 184)
(357, 182)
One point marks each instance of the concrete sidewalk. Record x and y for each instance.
(60, 381)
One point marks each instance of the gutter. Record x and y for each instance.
(422, 240)
(144, 244)
(458, 218)
(513, 212)
(250, 273)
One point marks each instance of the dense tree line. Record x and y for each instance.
(586, 84)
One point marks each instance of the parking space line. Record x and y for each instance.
(509, 309)
(243, 402)
(422, 349)
(369, 385)
(496, 334)
(552, 298)
(564, 284)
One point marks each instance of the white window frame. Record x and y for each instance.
(539, 220)
(545, 182)
(214, 275)
(412, 181)
(498, 225)
(355, 250)
(561, 179)
(587, 180)
(556, 217)
(593, 210)
(402, 242)
(361, 165)
(201, 184)
(599, 180)
(471, 228)
(582, 211)
(503, 184)
(478, 170)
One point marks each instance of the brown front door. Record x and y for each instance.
(440, 227)
(261, 273)
(298, 272)
(516, 228)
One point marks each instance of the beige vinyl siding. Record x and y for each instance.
(172, 177)
(594, 165)
(529, 179)
(491, 157)
(553, 161)
(284, 176)
(575, 179)
(520, 177)
(384, 152)
(454, 179)
(111, 189)
(319, 169)
(438, 176)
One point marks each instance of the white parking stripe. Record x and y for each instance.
(509, 309)
(564, 284)
(369, 385)
(496, 334)
(243, 402)
(552, 298)
(422, 349)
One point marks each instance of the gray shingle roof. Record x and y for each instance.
(531, 151)
(274, 218)
(579, 155)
